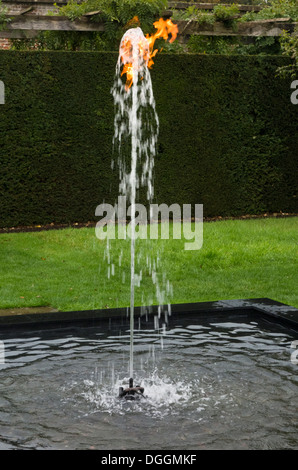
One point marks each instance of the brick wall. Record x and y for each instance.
(5, 43)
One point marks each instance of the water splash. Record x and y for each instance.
(161, 397)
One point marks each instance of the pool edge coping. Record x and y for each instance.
(267, 308)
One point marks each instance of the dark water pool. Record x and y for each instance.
(209, 384)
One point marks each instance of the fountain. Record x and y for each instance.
(226, 371)
(136, 119)
(131, 393)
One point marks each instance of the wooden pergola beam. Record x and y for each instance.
(181, 5)
(209, 6)
(28, 17)
(28, 25)
(48, 23)
(250, 28)
(41, 7)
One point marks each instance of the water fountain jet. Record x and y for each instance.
(131, 393)
(135, 57)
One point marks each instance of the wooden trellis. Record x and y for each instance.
(29, 17)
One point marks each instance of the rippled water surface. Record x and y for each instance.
(208, 385)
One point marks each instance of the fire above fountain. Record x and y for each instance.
(137, 50)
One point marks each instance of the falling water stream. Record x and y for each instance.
(135, 120)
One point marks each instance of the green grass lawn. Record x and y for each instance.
(67, 269)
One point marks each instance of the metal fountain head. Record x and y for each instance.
(131, 393)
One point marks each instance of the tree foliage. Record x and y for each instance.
(289, 45)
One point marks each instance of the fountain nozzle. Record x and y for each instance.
(131, 393)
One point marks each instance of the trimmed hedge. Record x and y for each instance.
(228, 135)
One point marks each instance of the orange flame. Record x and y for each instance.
(127, 57)
(165, 28)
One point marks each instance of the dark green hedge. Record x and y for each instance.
(228, 135)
